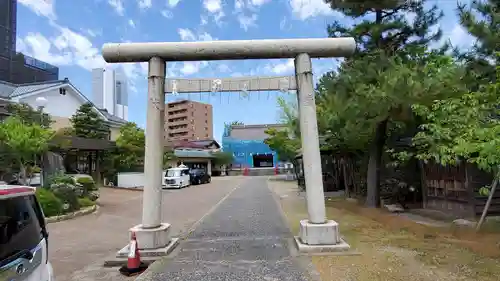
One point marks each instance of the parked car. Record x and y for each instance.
(199, 176)
(23, 236)
(177, 177)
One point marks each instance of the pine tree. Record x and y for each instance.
(383, 30)
(482, 20)
(88, 124)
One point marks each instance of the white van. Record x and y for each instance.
(176, 178)
(23, 236)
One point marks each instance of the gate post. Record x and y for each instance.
(315, 232)
(152, 233)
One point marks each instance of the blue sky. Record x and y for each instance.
(70, 34)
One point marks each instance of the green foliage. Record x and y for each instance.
(280, 142)
(68, 196)
(384, 25)
(59, 178)
(482, 20)
(51, 205)
(129, 147)
(28, 115)
(462, 127)
(223, 158)
(128, 154)
(22, 143)
(85, 202)
(168, 156)
(88, 186)
(88, 124)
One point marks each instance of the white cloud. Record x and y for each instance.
(223, 68)
(214, 7)
(40, 7)
(304, 9)
(284, 24)
(205, 36)
(131, 23)
(92, 33)
(37, 45)
(173, 3)
(246, 12)
(187, 35)
(67, 48)
(117, 5)
(145, 4)
(192, 67)
(203, 20)
(247, 21)
(259, 2)
(168, 14)
(459, 37)
(281, 68)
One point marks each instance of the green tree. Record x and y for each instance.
(352, 119)
(88, 124)
(168, 157)
(29, 115)
(463, 128)
(223, 158)
(281, 143)
(383, 31)
(129, 147)
(128, 155)
(482, 20)
(24, 143)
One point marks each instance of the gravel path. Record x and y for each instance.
(244, 238)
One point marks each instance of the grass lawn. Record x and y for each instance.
(396, 248)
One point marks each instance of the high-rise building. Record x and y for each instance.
(110, 91)
(18, 68)
(188, 120)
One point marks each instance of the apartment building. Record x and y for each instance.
(188, 120)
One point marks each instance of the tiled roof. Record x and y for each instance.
(6, 89)
(32, 87)
(206, 143)
(113, 118)
(193, 153)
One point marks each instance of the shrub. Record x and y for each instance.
(87, 185)
(85, 202)
(51, 205)
(60, 178)
(67, 194)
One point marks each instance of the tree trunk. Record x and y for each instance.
(488, 203)
(374, 165)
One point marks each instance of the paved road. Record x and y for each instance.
(78, 247)
(243, 239)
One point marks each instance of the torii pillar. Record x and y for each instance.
(316, 233)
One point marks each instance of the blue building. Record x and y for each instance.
(246, 142)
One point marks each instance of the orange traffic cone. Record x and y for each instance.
(134, 265)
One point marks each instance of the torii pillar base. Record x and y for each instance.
(320, 238)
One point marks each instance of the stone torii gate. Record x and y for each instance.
(316, 233)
